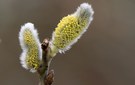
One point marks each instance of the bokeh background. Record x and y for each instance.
(105, 55)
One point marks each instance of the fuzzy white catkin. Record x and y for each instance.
(31, 48)
(71, 28)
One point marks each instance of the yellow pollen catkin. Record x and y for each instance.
(67, 30)
(32, 57)
(70, 29)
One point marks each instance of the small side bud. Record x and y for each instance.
(70, 29)
(31, 49)
(49, 78)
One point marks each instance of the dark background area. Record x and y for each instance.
(105, 54)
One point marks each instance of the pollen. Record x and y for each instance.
(71, 28)
(28, 38)
(32, 59)
(67, 30)
(31, 56)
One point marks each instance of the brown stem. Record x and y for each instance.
(46, 76)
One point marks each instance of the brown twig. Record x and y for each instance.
(46, 76)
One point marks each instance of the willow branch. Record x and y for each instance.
(46, 76)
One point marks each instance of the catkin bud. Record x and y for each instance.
(31, 50)
(70, 29)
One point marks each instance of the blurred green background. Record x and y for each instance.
(105, 55)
